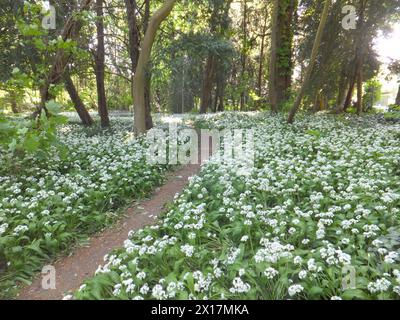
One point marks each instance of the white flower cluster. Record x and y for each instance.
(202, 282)
(239, 286)
(66, 198)
(333, 256)
(188, 250)
(312, 206)
(3, 228)
(271, 273)
(272, 251)
(392, 257)
(295, 289)
(380, 285)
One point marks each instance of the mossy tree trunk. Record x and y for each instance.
(285, 36)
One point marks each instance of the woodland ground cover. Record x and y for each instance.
(316, 217)
(48, 204)
(320, 206)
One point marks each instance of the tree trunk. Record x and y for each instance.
(262, 55)
(13, 102)
(147, 99)
(215, 103)
(243, 57)
(313, 58)
(77, 101)
(99, 66)
(134, 50)
(398, 98)
(219, 24)
(146, 18)
(317, 102)
(208, 78)
(284, 44)
(342, 91)
(139, 80)
(360, 56)
(273, 99)
(147, 88)
(341, 99)
(70, 31)
(321, 102)
(349, 95)
(134, 34)
(220, 92)
(359, 88)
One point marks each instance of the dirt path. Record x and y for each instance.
(73, 270)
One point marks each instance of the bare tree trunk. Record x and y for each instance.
(147, 99)
(273, 99)
(213, 71)
(342, 92)
(208, 78)
(215, 102)
(341, 99)
(139, 80)
(13, 102)
(321, 102)
(359, 89)
(313, 58)
(349, 95)
(398, 98)
(360, 56)
(134, 33)
(77, 101)
(220, 92)
(99, 66)
(221, 102)
(146, 15)
(147, 87)
(317, 102)
(243, 57)
(134, 49)
(262, 55)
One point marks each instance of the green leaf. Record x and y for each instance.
(354, 294)
(23, 131)
(31, 144)
(316, 292)
(53, 107)
(315, 133)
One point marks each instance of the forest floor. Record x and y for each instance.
(73, 270)
(322, 199)
(319, 198)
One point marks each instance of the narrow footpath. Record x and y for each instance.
(72, 271)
